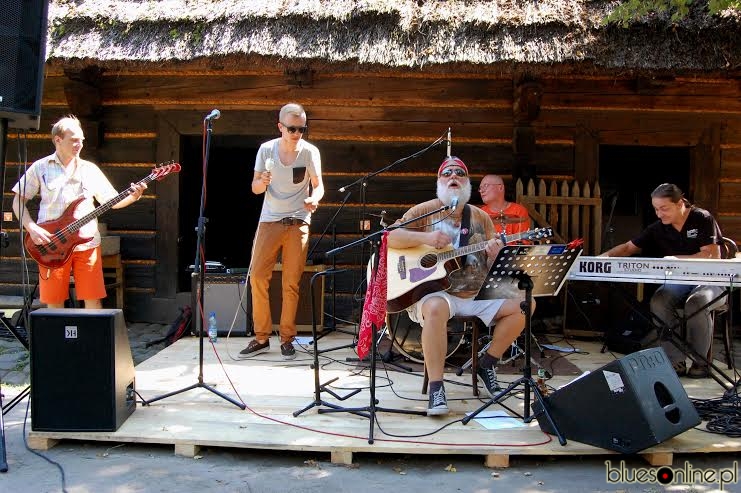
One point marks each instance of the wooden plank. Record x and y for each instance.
(274, 90)
(729, 200)
(575, 201)
(187, 449)
(677, 96)
(166, 270)
(343, 457)
(41, 443)
(496, 461)
(705, 169)
(659, 458)
(631, 127)
(586, 154)
(730, 160)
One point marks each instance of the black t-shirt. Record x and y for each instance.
(660, 240)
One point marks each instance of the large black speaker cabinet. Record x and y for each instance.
(22, 56)
(82, 373)
(627, 405)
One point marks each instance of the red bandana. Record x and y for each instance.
(374, 307)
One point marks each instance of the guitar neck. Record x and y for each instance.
(76, 225)
(476, 247)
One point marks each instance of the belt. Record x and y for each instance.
(292, 221)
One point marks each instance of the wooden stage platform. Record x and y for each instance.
(273, 389)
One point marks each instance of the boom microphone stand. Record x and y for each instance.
(372, 408)
(333, 323)
(200, 270)
(3, 143)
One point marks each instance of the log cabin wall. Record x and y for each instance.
(362, 122)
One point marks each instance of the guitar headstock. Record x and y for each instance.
(164, 169)
(537, 233)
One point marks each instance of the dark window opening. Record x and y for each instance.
(231, 208)
(627, 176)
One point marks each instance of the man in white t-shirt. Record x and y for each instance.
(288, 170)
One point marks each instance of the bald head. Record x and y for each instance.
(491, 189)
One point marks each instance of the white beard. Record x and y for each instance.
(446, 194)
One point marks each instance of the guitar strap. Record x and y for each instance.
(465, 233)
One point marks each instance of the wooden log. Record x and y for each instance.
(496, 461)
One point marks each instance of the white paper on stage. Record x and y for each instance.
(497, 420)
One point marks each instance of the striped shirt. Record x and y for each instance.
(59, 187)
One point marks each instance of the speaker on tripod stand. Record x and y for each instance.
(22, 57)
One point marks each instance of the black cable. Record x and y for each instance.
(47, 459)
(723, 415)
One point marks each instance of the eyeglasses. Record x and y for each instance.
(447, 173)
(293, 130)
(484, 186)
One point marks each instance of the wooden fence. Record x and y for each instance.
(572, 210)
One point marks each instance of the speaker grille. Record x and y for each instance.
(22, 54)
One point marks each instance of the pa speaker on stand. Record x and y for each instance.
(22, 55)
(627, 405)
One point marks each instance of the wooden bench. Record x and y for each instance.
(113, 278)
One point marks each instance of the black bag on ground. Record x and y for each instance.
(179, 327)
(630, 335)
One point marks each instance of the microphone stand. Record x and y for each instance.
(608, 242)
(363, 183)
(199, 269)
(372, 408)
(333, 327)
(609, 239)
(3, 143)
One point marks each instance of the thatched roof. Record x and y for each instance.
(483, 35)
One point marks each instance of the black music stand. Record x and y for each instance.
(541, 271)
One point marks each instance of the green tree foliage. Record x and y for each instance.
(634, 10)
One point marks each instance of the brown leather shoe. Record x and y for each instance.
(680, 367)
(698, 371)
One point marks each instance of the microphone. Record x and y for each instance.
(449, 141)
(453, 204)
(383, 221)
(214, 115)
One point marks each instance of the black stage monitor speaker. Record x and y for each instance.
(82, 373)
(627, 405)
(22, 56)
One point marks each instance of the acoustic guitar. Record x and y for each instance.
(415, 272)
(66, 229)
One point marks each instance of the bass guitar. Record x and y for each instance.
(421, 270)
(65, 229)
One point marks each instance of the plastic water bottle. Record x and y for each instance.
(213, 333)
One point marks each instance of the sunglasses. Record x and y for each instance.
(487, 185)
(447, 173)
(293, 130)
